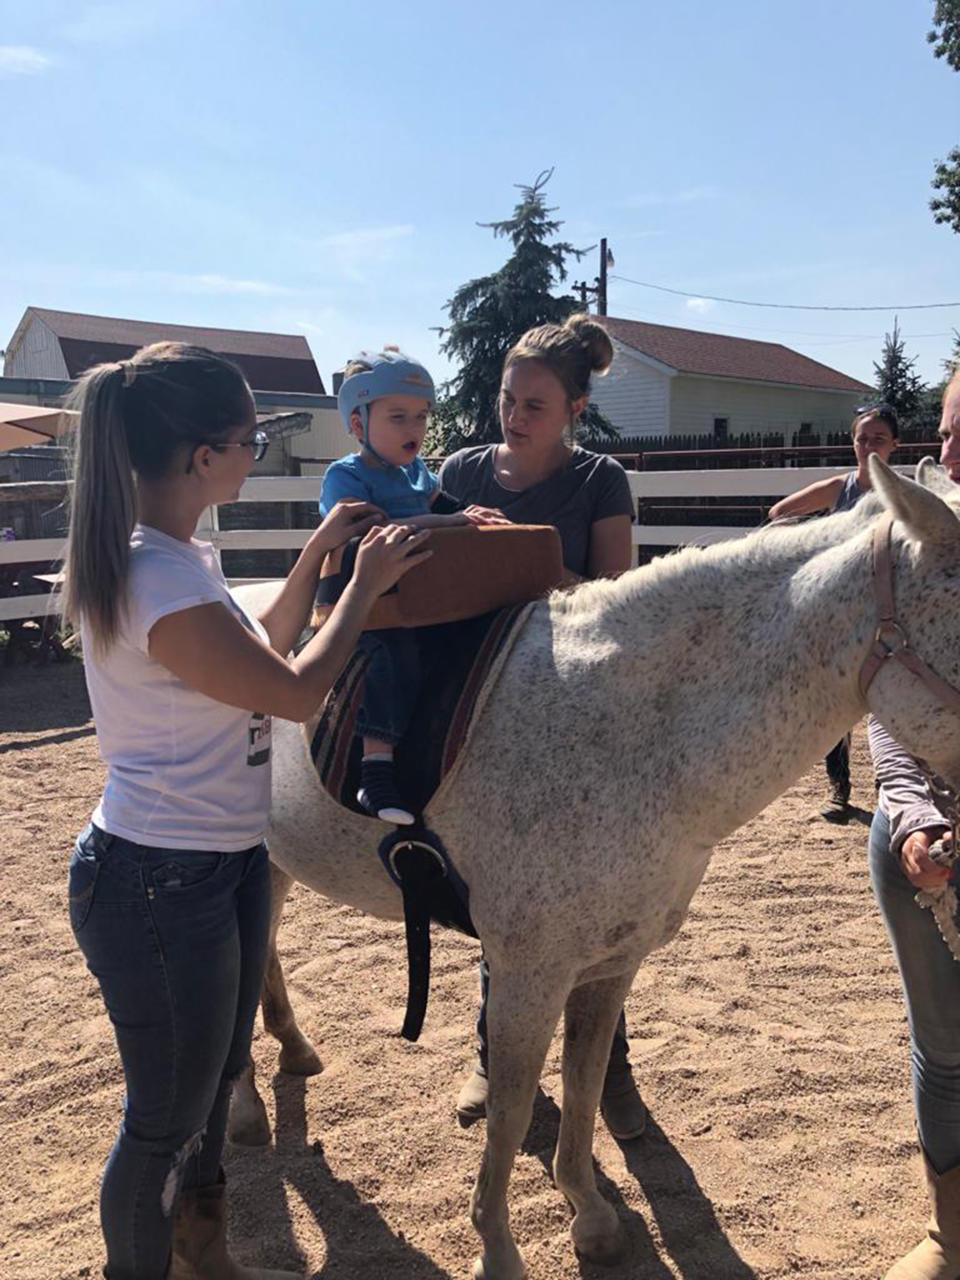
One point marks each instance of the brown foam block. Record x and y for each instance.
(472, 570)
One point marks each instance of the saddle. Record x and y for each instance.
(461, 662)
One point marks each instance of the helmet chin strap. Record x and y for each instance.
(364, 412)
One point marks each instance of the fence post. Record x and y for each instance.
(208, 526)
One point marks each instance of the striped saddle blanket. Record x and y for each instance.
(459, 661)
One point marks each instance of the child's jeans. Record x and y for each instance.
(391, 683)
(177, 940)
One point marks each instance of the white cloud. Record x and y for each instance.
(651, 199)
(364, 238)
(113, 23)
(209, 283)
(83, 276)
(22, 60)
(700, 305)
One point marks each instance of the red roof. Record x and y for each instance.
(715, 355)
(271, 361)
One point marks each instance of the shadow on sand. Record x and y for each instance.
(359, 1243)
(35, 699)
(687, 1225)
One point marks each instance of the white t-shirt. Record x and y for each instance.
(184, 771)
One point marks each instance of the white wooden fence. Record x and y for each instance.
(750, 483)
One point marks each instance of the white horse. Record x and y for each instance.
(634, 725)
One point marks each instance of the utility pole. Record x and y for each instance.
(599, 287)
(602, 279)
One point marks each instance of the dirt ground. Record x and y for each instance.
(769, 1039)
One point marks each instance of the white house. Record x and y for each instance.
(666, 381)
(50, 349)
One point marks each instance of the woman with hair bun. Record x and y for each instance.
(539, 475)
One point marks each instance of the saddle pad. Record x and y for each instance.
(457, 660)
(472, 570)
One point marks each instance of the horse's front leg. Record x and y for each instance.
(520, 1023)
(297, 1054)
(590, 1017)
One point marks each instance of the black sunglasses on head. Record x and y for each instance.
(884, 412)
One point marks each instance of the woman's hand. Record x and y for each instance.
(485, 515)
(918, 867)
(348, 519)
(385, 555)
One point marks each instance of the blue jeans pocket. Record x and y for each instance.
(84, 870)
(188, 871)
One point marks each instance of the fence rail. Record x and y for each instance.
(647, 487)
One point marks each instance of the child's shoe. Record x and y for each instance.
(378, 791)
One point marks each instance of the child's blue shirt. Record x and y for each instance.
(400, 492)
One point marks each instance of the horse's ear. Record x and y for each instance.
(926, 516)
(934, 477)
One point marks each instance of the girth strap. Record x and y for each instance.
(432, 890)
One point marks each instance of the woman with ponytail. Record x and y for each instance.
(539, 475)
(169, 884)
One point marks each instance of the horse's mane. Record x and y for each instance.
(702, 568)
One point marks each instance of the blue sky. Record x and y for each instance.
(320, 169)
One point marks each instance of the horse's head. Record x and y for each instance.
(905, 695)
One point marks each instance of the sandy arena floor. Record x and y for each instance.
(769, 1040)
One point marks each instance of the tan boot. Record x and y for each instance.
(937, 1257)
(472, 1098)
(200, 1241)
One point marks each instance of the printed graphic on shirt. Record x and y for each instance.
(258, 749)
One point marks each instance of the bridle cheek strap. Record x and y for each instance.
(890, 639)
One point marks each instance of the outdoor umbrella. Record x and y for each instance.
(22, 425)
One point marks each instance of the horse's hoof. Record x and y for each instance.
(248, 1125)
(606, 1248)
(300, 1060)
(482, 1272)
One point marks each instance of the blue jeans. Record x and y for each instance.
(931, 985)
(391, 683)
(177, 941)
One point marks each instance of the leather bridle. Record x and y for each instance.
(890, 640)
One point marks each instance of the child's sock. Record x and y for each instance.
(378, 790)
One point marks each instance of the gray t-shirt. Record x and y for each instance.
(591, 487)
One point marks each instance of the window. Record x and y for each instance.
(720, 426)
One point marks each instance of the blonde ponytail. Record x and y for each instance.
(136, 419)
(103, 507)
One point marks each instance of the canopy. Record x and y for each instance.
(22, 425)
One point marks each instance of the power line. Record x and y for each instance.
(822, 338)
(781, 306)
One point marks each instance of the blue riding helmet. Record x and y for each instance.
(391, 373)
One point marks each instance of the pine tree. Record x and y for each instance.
(488, 315)
(952, 362)
(945, 38)
(897, 382)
